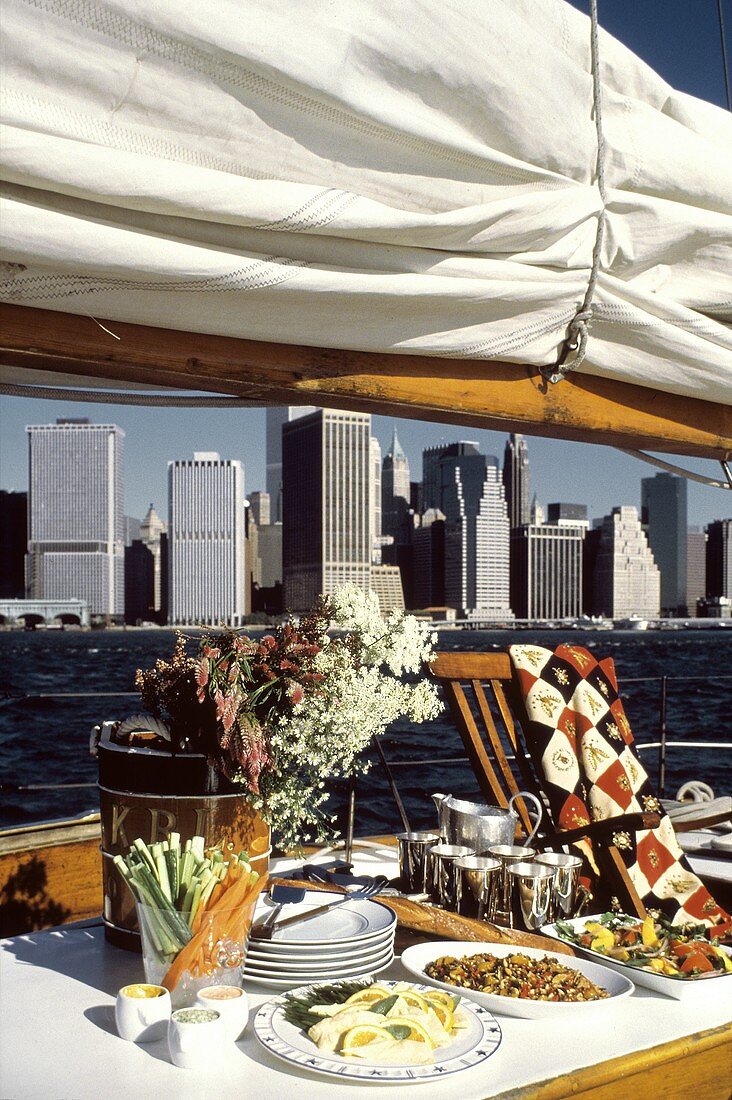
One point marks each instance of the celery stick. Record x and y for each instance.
(163, 876)
(197, 844)
(194, 904)
(171, 865)
(142, 849)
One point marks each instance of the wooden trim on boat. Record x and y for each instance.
(479, 393)
(697, 1065)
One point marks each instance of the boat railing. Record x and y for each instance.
(389, 766)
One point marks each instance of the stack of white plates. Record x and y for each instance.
(354, 939)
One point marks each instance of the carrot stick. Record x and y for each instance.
(240, 896)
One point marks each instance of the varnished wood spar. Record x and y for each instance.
(479, 393)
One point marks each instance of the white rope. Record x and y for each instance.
(114, 397)
(662, 465)
(574, 348)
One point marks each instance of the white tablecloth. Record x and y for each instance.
(58, 1036)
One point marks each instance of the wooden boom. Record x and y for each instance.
(478, 393)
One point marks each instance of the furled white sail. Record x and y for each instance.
(412, 177)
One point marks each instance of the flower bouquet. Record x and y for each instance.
(282, 715)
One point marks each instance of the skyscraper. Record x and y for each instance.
(259, 508)
(375, 499)
(152, 530)
(623, 578)
(719, 558)
(663, 499)
(429, 560)
(275, 418)
(395, 493)
(516, 481)
(546, 571)
(13, 543)
(466, 487)
(206, 540)
(76, 516)
(696, 569)
(327, 527)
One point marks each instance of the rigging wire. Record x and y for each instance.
(725, 70)
(688, 474)
(574, 347)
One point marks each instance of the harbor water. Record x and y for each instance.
(45, 741)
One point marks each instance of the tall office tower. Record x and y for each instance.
(259, 508)
(432, 459)
(76, 518)
(568, 515)
(386, 583)
(469, 492)
(275, 419)
(326, 477)
(395, 493)
(206, 540)
(719, 558)
(663, 500)
(536, 512)
(375, 499)
(625, 579)
(428, 584)
(139, 583)
(546, 570)
(13, 543)
(516, 480)
(152, 530)
(696, 570)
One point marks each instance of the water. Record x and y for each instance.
(46, 740)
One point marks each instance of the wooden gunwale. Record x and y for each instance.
(477, 393)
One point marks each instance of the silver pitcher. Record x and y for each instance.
(478, 825)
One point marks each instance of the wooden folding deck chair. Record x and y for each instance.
(477, 689)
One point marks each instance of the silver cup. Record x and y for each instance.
(566, 880)
(477, 886)
(443, 874)
(413, 850)
(532, 895)
(506, 854)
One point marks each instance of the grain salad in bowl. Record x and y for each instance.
(527, 981)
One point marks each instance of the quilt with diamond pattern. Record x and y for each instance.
(581, 743)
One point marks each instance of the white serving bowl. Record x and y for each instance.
(231, 1003)
(416, 958)
(142, 1019)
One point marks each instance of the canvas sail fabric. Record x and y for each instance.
(409, 178)
(580, 740)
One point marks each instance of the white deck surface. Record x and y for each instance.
(58, 1036)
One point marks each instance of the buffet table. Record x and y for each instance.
(58, 1038)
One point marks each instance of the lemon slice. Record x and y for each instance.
(363, 1034)
(438, 996)
(370, 995)
(444, 1014)
(414, 999)
(417, 1031)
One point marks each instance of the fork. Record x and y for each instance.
(361, 894)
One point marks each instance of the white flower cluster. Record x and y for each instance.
(360, 695)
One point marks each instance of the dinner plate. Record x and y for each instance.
(347, 923)
(324, 962)
(416, 958)
(298, 979)
(473, 1045)
(316, 953)
(680, 989)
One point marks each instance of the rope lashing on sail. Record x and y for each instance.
(688, 474)
(114, 397)
(574, 347)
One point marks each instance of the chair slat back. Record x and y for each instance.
(481, 725)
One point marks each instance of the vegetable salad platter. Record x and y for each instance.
(527, 982)
(678, 961)
(378, 1032)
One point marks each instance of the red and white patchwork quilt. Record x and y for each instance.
(581, 743)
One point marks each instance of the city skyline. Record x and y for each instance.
(599, 477)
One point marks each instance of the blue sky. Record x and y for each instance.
(680, 39)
